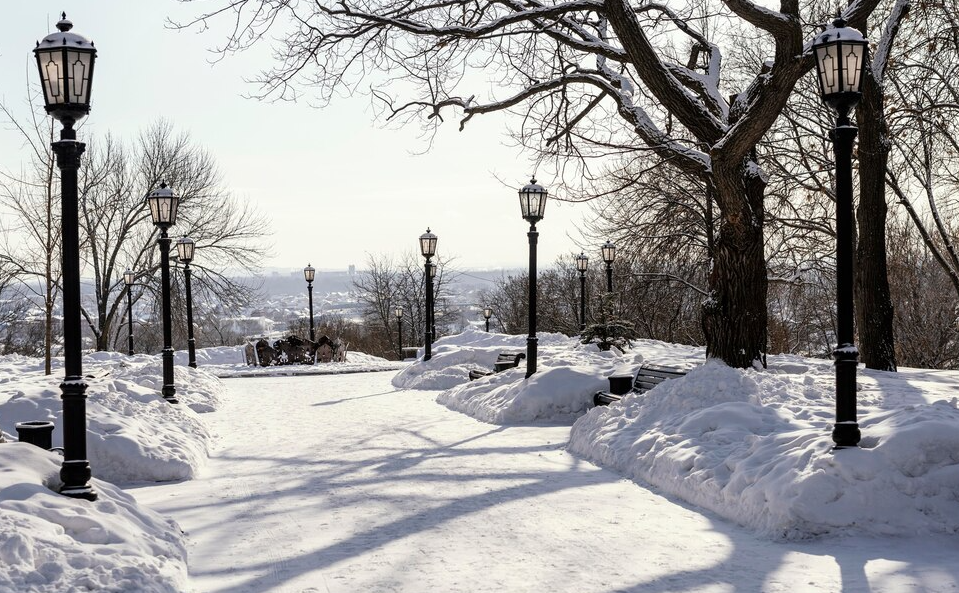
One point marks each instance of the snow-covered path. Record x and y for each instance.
(344, 484)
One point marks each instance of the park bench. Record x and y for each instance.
(647, 377)
(505, 360)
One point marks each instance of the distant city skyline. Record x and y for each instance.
(335, 184)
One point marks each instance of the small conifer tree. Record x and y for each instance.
(610, 330)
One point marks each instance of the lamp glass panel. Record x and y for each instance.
(79, 66)
(487, 312)
(827, 63)
(853, 58)
(582, 263)
(309, 273)
(128, 277)
(609, 252)
(185, 249)
(428, 245)
(52, 72)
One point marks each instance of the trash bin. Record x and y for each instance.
(36, 432)
(620, 384)
(410, 352)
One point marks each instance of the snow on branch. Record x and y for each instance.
(775, 23)
(898, 13)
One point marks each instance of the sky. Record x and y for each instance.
(336, 183)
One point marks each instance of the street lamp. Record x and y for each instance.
(840, 54)
(582, 264)
(185, 249)
(487, 313)
(65, 61)
(609, 255)
(128, 278)
(398, 312)
(532, 203)
(163, 205)
(428, 249)
(309, 273)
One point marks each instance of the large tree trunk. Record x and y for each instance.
(874, 311)
(734, 314)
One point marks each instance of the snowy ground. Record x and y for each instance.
(361, 482)
(351, 485)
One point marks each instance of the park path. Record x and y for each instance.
(342, 484)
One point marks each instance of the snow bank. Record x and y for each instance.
(754, 446)
(454, 356)
(50, 543)
(568, 374)
(133, 434)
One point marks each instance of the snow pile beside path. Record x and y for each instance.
(133, 434)
(568, 374)
(454, 356)
(50, 543)
(755, 447)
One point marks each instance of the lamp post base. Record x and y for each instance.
(75, 475)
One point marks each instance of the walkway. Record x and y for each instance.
(342, 484)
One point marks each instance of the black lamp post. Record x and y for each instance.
(428, 249)
(582, 264)
(532, 203)
(65, 61)
(433, 300)
(309, 273)
(609, 255)
(163, 205)
(840, 53)
(487, 313)
(185, 248)
(128, 278)
(398, 312)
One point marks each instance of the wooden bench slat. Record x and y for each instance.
(504, 361)
(647, 377)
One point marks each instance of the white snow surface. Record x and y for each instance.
(53, 544)
(751, 445)
(343, 483)
(133, 434)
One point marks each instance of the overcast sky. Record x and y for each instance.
(335, 183)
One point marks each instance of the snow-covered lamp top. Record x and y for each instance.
(488, 312)
(185, 249)
(128, 277)
(309, 273)
(532, 201)
(398, 312)
(163, 206)
(428, 244)
(65, 60)
(840, 53)
(609, 252)
(582, 262)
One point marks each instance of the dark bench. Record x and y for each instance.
(646, 378)
(505, 360)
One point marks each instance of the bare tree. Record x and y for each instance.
(119, 233)
(590, 77)
(32, 246)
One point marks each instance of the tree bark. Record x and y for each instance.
(874, 310)
(735, 312)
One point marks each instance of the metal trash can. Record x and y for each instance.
(620, 384)
(36, 432)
